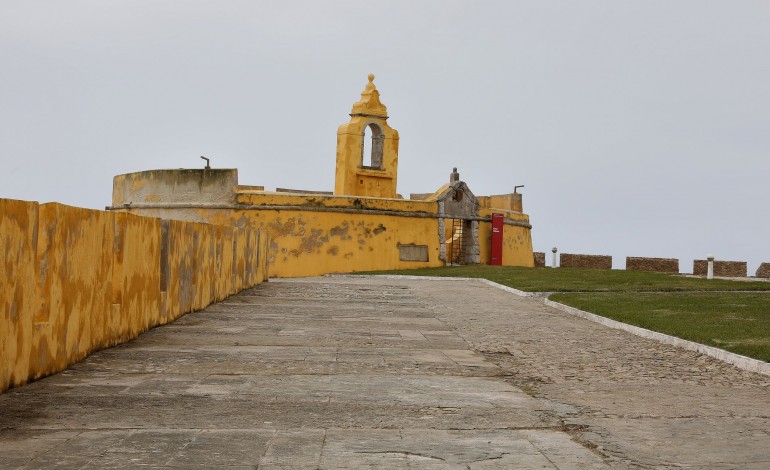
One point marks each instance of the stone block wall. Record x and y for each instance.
(664, 265)
(721, 268)
(763, 270)
(79, 280)
(569, 260)
(539, 259)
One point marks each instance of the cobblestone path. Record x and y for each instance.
(642, 404)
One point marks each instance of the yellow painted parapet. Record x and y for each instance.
(78, 280)
(371, 175)
(271, 199)
(508, 202)
(18, 284)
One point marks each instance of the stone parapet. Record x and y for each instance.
(664, 265)
(83, 280)
(539, 259)
(763, 270)
(570, 260)
(214, 186)
(721, 268)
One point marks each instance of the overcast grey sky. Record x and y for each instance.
(640, 128)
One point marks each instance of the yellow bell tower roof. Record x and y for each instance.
(369, 104)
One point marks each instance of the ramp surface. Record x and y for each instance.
(361, 373)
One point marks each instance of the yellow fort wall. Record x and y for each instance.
(517, 245)
(77, 280)
(311, 243)
(315, 234)
(314, 243)
(517, 240)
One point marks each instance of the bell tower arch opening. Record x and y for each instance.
(371, 147)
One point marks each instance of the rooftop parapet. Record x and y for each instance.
(207, 186)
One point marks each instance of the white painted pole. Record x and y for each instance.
(710, 271)
(553, 260)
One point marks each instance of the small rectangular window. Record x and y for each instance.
(413, 252)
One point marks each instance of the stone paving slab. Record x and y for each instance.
(377, 373)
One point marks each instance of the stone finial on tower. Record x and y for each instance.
(369, 104)
(454, 176)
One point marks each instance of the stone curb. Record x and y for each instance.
(742, 362)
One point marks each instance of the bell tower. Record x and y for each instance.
(370, 173)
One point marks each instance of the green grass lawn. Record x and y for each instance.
(584, 280)
(734, 321)
(737, 322)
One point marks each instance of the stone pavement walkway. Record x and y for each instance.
(362, 373)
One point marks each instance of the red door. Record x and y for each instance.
(496, 246)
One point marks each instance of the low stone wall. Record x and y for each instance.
(539, 259)
(721, 268)
(763, 270)
(569, 260)
(663, 265)
(79, 280)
